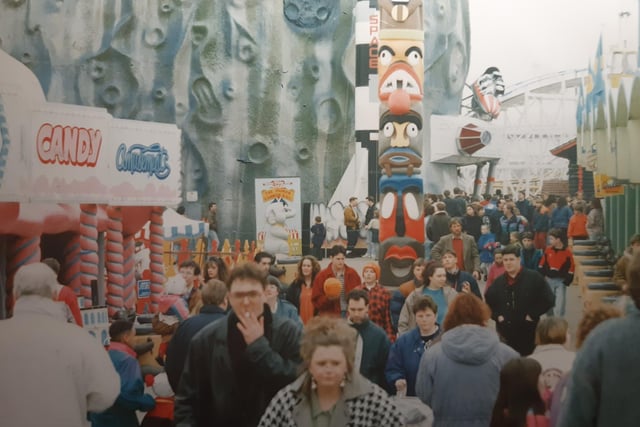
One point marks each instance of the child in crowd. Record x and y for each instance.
(318, 234)
(487, 244)
(374, 227)
(519, 402)
(530, 256)
(132, 397)
(379, 299)
(557, 266)
(497, 268)
(577, 224)
(514, 238)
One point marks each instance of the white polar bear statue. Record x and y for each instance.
(276, 240)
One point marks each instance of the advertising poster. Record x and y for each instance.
(279, 216)
(606, 186)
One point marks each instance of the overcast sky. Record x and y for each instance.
(529, 38)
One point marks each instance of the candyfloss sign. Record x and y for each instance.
(144, 162)
(82, 154)
(278, 216)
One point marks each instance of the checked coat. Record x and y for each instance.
(379, 308)
(363, 404)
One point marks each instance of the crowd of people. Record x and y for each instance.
(477, 337)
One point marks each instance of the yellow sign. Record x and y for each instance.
(278, 193)
(605, 186)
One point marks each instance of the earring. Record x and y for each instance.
(314, 384)
(343, 382)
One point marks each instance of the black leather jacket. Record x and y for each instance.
(213, 390)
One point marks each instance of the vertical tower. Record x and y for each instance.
(400, 91)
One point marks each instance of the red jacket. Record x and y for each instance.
(495, 271)
(578, 225)
(557, 263)
(71, 299)
(321, 303)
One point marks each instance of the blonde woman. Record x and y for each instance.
(330, 392)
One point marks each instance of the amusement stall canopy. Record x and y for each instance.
(176, 227)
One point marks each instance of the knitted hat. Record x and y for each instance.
(275, 282)
(375, 267)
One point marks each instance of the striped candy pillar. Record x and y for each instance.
(156, 240)
(72, 274)
(88, 249)
(114, 261)
(21, 251)
(129, 276)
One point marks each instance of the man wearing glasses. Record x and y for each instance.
(237, 364)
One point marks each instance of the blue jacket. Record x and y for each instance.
(287, 310)
(515, 223)
(318, 234)
(131, 397)
(404, 360)
(530, 258)
(456, 281)
(395, 307)
(179, 344)
(459, 377)
(486, 253)
(541, 221)
(396, 303)
(605, 377)
(560, 217)
(525, 208)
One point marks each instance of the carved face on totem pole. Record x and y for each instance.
(405, 14)
(401, 226)
(401, 69)
(400, 141)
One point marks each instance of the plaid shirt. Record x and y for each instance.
(379, 312)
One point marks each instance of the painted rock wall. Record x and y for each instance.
(259, 88)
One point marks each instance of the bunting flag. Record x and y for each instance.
(580, 108)
(598, 92)
(588, 84)
(595, 86)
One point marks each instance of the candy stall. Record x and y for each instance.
(76, 184)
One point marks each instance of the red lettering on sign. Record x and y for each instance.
(373, 53)
(67, 145)
(373, 24)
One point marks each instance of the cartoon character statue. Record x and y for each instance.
(142, 259)
(277, 235)
(162, 414)
(487, 90)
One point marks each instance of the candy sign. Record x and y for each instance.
(68, 145)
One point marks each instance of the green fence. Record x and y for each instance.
(622, 217)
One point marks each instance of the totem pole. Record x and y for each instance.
(400, 90)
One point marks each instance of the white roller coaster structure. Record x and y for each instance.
(537, 115)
